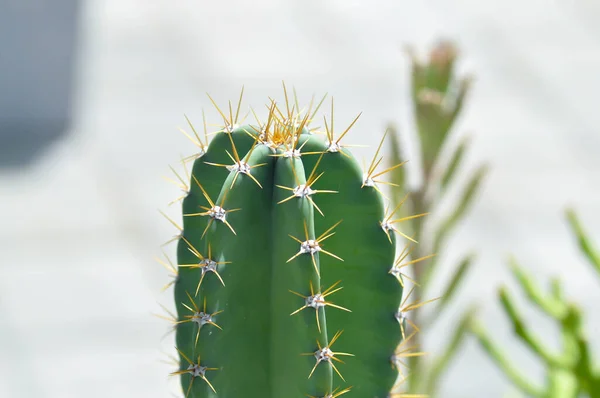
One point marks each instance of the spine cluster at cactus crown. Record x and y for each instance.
(286, 283)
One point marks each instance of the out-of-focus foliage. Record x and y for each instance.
(570, 373)
(438, 96)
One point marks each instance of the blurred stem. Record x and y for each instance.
(575, 341)
(562, 384)
(419, 206)
(437, 98)
(584, 366)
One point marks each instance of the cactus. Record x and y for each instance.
(570, 373)
(437, 96)
(287, 284)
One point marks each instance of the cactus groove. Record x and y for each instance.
(284, 285)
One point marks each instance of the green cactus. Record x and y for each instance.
(570, 373)
(287, 283)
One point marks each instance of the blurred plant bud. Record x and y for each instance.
(438, 97)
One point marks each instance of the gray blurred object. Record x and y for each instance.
(37, 59)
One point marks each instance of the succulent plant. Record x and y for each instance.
(287, 283)
(437, 95)
(570, 373)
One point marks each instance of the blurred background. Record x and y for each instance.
(91, 97)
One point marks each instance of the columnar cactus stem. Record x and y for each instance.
(285, 251)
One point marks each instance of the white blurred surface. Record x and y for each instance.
(80, 229)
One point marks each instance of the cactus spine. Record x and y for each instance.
(287, 284)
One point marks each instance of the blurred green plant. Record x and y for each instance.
(569, 373)
(438, 96)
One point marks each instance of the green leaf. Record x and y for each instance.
(464, 86)
(463, 205)
(557, 309)
(584, 244)
(453, 284)
(441, 363)
(556, 289)
(526, 336)
(451, 221)
(515, 375)
(455, 162)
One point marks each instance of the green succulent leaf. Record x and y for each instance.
(550, 305)
(463, 205)
(523, 332)
(448, 224)
(442, 362)
(464, 85)
(455, 162)
(584, 244)
(453, 284)
(517, 377)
